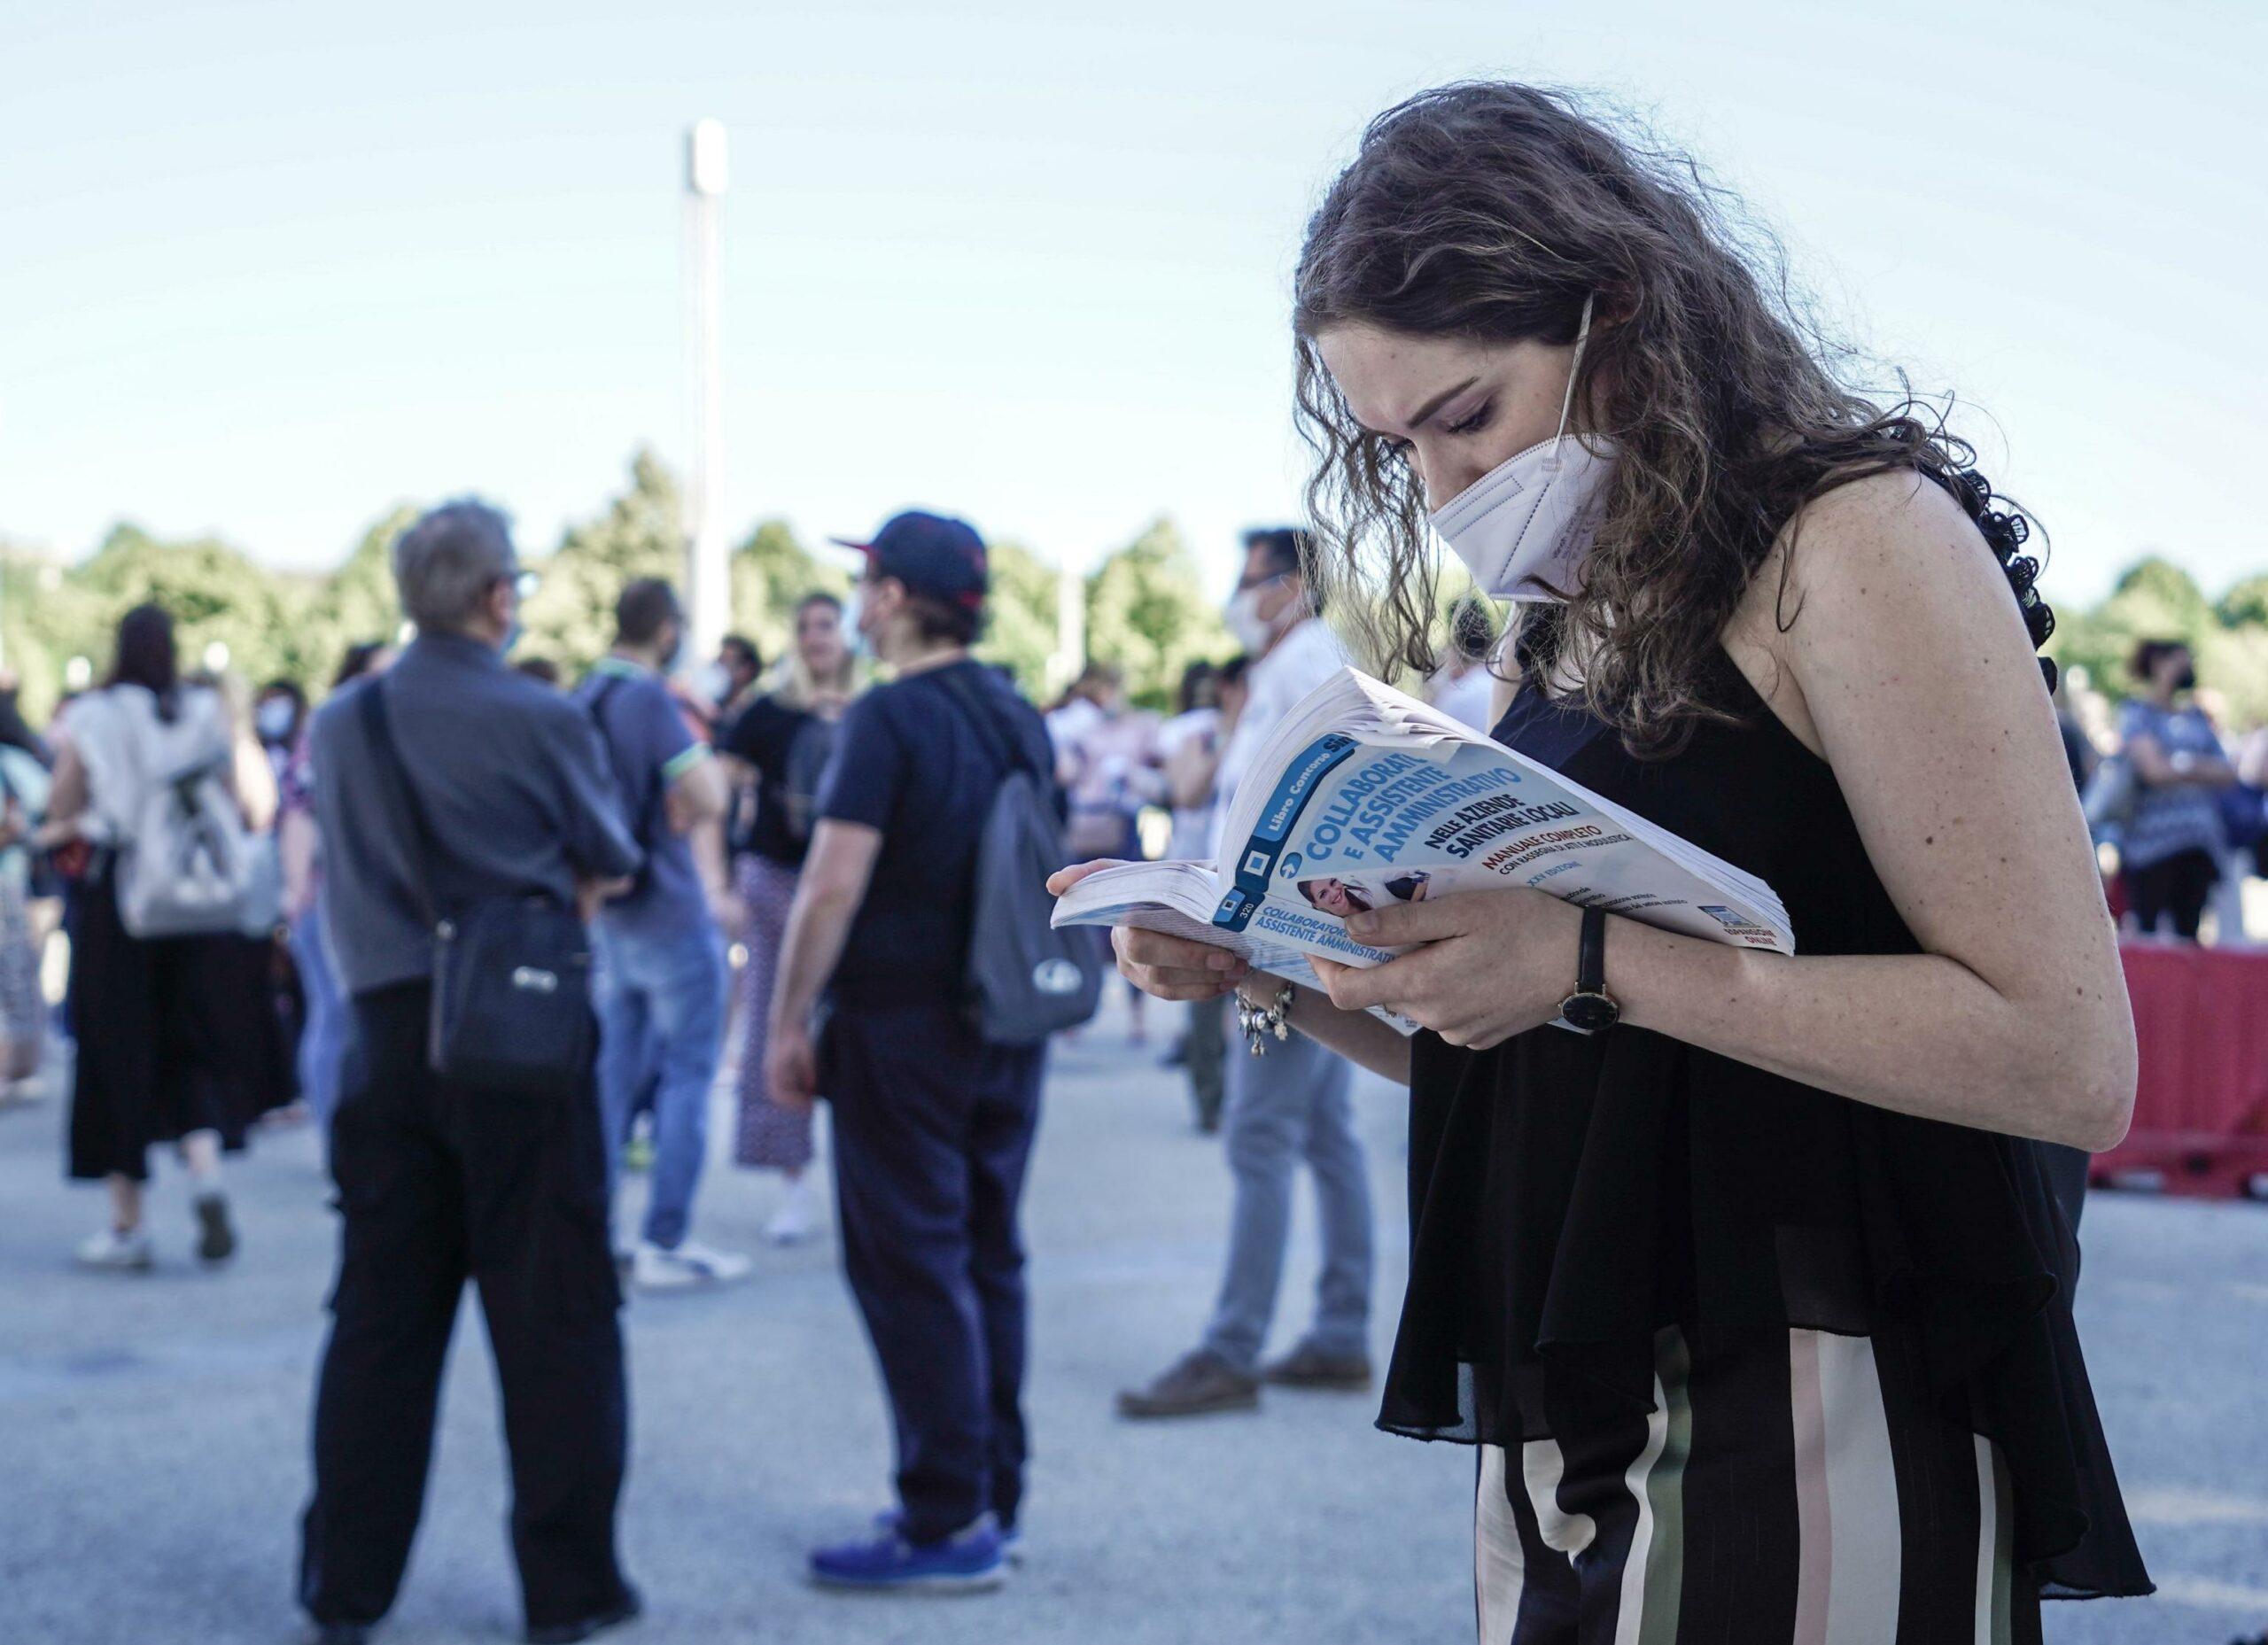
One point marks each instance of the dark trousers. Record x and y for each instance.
(2177, 887)
(933, 1128)
(438, 1182)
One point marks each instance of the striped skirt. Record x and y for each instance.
(1813, 1495)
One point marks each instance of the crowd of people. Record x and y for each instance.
(2175, 797)
(1687, 1280)
(246, 909)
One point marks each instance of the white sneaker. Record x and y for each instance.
(692, 1263)
(114, 1250)
(795, 1221)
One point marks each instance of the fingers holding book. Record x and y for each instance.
(1173, 967)
(1486, 965)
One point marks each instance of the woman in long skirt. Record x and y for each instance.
(781, 741)
(155, 1062)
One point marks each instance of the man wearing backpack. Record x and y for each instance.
(662, 976)
(934, 1113)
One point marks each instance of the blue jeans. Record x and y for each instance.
(1291, 1104)
(322, 1041)
(661, 1008)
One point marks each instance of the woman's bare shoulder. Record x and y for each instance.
(1892, 553)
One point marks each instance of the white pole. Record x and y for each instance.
(1071, 625)
(709, 575)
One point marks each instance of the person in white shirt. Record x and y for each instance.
(1464, 687)
(1294, 1104)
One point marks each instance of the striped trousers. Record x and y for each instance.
(1807, 1492)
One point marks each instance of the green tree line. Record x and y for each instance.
(1148, 606)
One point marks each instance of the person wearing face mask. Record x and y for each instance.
(1285, 1109)
(661, 975)
(277, 718)
(1754, 1298)
(933, 1124)
(2170, 848)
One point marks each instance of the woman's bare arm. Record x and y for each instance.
(1915, 680)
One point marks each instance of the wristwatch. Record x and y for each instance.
(1590, 1008)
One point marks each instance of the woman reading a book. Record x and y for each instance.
(1753, 1296)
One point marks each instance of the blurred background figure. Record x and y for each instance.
(24, 783)
(1110, 763)
(543, 670)
(2171, 843)
(279, 715)
(299, 848)
(1281, 1108)
(777, 746)
(1189, 749)
(662, 976)
(732, 674)
(1463, 688)
(256, 1003)
(152, 1064)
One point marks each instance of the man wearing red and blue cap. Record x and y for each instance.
(933, 1125)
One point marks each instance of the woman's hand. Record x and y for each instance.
(1486, 965)
(1169, 967)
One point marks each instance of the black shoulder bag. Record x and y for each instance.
(511, 971)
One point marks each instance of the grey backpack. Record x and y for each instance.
(1025, 978)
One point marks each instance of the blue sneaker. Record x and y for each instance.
(967, 1563)
(1012, 1537)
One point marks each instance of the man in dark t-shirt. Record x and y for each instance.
(933, 1126)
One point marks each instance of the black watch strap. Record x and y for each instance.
(1590, 958)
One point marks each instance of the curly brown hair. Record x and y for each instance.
(1491, 210)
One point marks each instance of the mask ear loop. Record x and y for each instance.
(1567, 402)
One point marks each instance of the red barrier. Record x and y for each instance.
(2200, 1111)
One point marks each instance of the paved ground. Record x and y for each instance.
(152, 1429)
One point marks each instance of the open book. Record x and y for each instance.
(1363, 796)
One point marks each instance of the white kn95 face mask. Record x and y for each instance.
(1522, 529)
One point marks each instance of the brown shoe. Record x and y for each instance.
(1199, 1381)
(1308, 1366)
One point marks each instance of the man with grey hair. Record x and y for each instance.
(500, 789)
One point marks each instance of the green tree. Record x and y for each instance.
(217, 596)
(357, 602)
(639, 534)
(1020, 631)
(2245, 604)
(1147, 612)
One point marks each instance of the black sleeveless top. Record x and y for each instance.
(1569, 1196)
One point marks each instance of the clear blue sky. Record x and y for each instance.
(266, 268)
